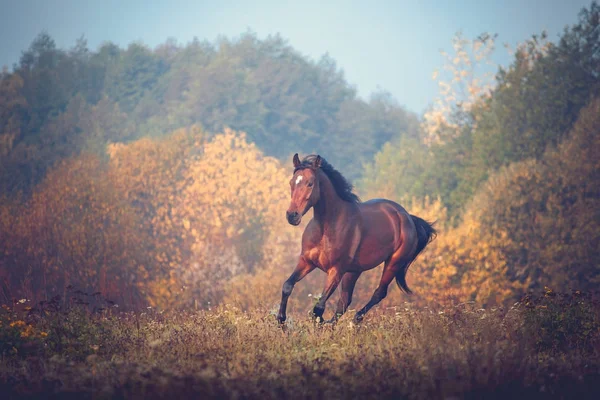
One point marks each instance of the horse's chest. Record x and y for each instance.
(324, 254)
(317, 258)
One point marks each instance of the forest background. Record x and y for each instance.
(158, 177)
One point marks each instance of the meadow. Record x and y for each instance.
(544, 346)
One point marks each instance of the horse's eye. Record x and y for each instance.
(310, 184)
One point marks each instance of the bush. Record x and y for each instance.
(18, 336)
(562, 321)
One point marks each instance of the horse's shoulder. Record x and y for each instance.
(311, 233)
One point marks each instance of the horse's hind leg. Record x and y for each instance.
(348, 282)
(334, 276)
(392, 267)
(389, 272)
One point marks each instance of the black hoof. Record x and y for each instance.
(358, 318)
(318, 314)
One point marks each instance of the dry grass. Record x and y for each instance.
(540, 348)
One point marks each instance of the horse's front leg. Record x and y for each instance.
(334, 276)
(302, 269)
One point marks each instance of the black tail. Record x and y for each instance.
(426, 233)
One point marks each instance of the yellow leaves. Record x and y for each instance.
(467, 260)
(441, 274)
(25, 330)
(231, 184)
(168, 219)
(202, 201)
(28, 331)
(65, 230)
(230, 232)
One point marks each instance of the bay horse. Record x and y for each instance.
(347, 237)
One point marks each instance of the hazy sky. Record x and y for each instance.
(392, 45)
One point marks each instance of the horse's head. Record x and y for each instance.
(304, 188)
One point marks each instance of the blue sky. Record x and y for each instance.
(389, 45)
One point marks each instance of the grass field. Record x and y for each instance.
(541, 347)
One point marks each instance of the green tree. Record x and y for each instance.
(134, 76)
(538, 98)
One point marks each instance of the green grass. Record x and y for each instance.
(543, 347)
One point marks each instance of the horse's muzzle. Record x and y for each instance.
(293, 217)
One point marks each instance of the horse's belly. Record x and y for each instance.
(380, 236)
(374, 250)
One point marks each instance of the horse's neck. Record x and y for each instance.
(330, 205)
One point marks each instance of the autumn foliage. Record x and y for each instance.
(166, 222)
(119, 173)
(531, 224)
(190, 221)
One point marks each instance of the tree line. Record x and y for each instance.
(159, 175)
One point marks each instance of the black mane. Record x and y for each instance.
(341, 185)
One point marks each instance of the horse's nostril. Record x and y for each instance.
(292, 216)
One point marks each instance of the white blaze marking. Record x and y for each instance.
(299, 179)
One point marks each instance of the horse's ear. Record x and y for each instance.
(296, 160)
(317, 163)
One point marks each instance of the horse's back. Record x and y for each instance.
(378, 203)
(374, 210)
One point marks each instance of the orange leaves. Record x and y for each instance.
(75, 229)
(209, 205)
(465, 262)
(532, 223)
(232, 184)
